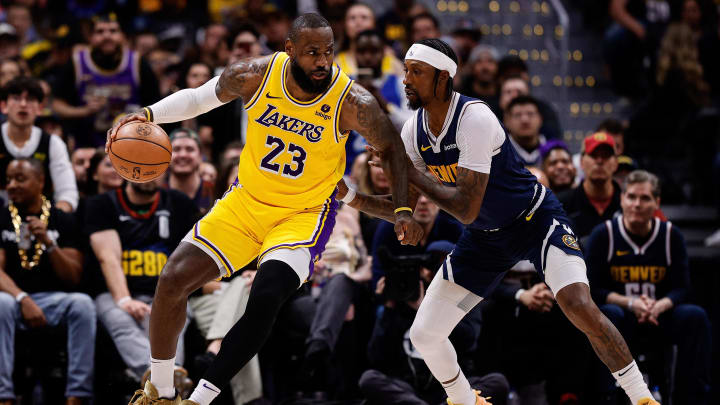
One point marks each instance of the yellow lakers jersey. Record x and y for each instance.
(295, 152)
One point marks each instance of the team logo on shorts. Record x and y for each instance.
(571, 242)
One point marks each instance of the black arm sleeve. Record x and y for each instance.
(679, 271)
(597, 265)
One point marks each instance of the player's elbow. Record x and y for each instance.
(468, 216)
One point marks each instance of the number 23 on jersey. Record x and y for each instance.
(277, 146)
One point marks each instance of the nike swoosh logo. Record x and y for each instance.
(206, 386)
(269, 96)
(622, 252)
(626, 371)
(424, 148)
(529, 217)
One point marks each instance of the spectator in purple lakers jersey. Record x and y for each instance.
(105, 79)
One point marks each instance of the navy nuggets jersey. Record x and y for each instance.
(511, 191)
(653, 266)
(148, 234)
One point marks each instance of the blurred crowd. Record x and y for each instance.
(81, 249)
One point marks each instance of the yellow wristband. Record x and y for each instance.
(148, 114)
(400, 209)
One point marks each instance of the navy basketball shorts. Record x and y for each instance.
(481, 258)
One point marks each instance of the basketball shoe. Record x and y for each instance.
(480, 400)
(150, 396)
(648, 401)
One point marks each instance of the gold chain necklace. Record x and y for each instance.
(39, 247)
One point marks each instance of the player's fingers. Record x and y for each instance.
(370, 149)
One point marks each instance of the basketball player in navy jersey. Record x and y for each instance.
(464, 162)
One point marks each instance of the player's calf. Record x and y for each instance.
(609, 345)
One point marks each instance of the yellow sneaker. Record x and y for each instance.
(150, 396)
(479, 400)
(648, 401)
(183, 384)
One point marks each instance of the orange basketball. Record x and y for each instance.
(141, 151)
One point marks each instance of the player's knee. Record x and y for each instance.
(577, 304)
(168, 280)
(274, 283)
(187, 269)
(422, 336)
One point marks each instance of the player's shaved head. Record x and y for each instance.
(307, 20)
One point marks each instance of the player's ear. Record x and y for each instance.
(445, 77)
(289, 47)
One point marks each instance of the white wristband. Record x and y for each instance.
(51, 247)
(349, 196)
(21, 296)
(123, 300)
(630, 303)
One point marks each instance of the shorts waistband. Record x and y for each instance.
(538, 197)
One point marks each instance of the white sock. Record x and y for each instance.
(162, 373)
(459, 391)
(631, 380)
(204, 393)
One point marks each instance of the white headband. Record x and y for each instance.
(432, 57)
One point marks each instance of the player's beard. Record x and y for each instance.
(306, 83)
(416, 103)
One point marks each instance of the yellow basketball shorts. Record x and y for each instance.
(240, 228)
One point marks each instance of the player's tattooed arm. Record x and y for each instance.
(463, 201)
(242, 78)
(380, 206)
(362, 113)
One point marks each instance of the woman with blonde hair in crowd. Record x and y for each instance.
(679, 67)
(368, 180)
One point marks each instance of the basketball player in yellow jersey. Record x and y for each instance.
(281, 208)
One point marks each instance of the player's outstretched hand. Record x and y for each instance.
(112, 132)
(408, 231)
